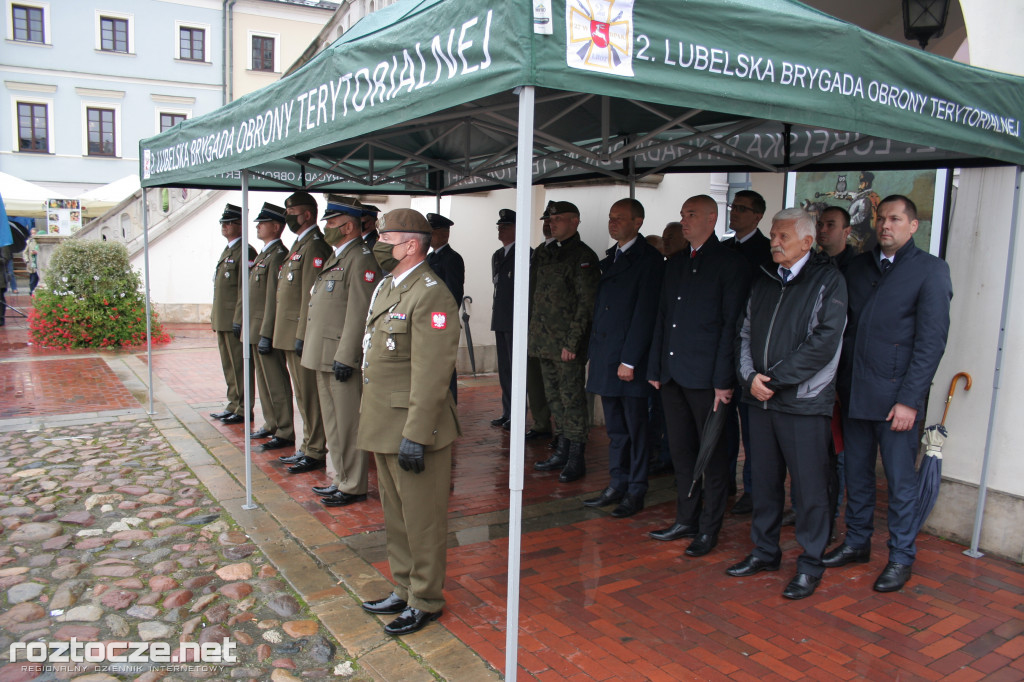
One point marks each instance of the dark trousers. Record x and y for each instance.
(686, 410)
(863, 439)
(625, 419)
(564, 387)
(33, 281)
(737, 427)
(503, 345)
(799, 443)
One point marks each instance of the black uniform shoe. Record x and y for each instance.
(802, 585)
(702, 545)
(306, 464)
(751, 566)
(292, 459)
(533, 433)
(233, 419)
(389, 604)
(340, 499)
(276, 443)
(630, 505)
(221, 415)
(262, 433)
(325, 490)
(674, 532)
(893, 577)
(553, 443)
(744, 505)
(499, 421)
(410, 621)
(844, 554)
(607, 496)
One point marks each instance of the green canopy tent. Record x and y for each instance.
(444, 96)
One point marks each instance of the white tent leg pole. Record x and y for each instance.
(1011, 254)
(246, 348)
(520, 323)
(149, 314)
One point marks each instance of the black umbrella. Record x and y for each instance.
(469, 335)
(709, 436)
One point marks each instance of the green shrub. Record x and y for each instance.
(92, 298)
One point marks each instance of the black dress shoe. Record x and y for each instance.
(893, 577)
(292, 459)
(306, 464)
(499, 421)
(340, 499)
(802, 585)
(703, 544)
(674, 532)
(507, 425)
(844, 554)
(630, 505)
(221, 415)
(410, 621)
(608, 496)
(233, 419)
(533, 433)
(789, 518)
(325, 490)
(751, 566)
(389, 604)
(262, 433)
(276, 443)
(744, 505)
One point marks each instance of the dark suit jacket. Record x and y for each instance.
(449, 266)
(624, 313)
(701, 300)
(503, 274)
(895, 331)
(757, 250)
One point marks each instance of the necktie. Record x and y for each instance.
(886, 264)
(618, 252)
(786, 274)
(693, 253)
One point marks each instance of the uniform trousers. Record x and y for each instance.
(539, 409)
(564, 387)
(686, 410)
(800, 443)
(863, 439)
(625, 419)
(416, 523)
(232, 364)
(503, 346)
(314, 442)
(339, 407)
(275, 388)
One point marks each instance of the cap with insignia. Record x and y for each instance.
(506, 216)
(270, 212)
(562, 207)
(370, 209)
(438, 221)
(301, 199)
(404, 220)
(339, 205)
(232, 214)
(547, 211)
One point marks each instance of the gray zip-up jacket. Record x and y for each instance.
(793, 333)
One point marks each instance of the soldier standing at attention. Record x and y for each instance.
(334, 346)
(449, 266)
(369, 220)
(409, 417)
(304, 262)
(227, 305)
(271, 369)
(560, 319)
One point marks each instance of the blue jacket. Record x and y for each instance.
(895, 332)
(624, 313)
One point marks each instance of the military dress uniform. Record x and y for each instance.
(227, 306)
(303, 263)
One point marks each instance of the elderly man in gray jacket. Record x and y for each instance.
(787, 354)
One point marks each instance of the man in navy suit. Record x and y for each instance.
(691, 363)
(624, 312)
(503, 274)
(895, 336)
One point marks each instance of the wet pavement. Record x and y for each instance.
(600, 600)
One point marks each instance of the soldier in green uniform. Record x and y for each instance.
(275, 387)
(333, 346)
(563, 308)
(303, 263)
(408, 416)
(227, 306)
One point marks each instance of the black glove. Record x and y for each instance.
(342, 372)
(236, 329)
(410, 456)
(264, 347)
(298, 347)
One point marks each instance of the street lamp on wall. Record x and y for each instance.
(924, 19)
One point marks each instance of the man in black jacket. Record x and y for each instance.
(503, 274)
(787, 356)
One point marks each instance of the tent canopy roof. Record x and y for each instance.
(419, 98)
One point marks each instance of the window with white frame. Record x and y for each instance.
(115, 32)
(192, 42)
(28, 21)
(265, 55)
(32, 124)
(101, 129)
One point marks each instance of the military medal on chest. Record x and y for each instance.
(330, 285)
(291, 276)
(390, 343)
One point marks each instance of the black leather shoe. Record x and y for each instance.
(389, 604)
(607, 496)
(340, 499)
(221, 415)
(533, 433)
(789, 518)
(499, 421)
(507, 425)
(325, 490)
(410, 621)
(306, 464)
(262, 433)
(844, 554)
(674, 532)
(630, 505)
(553, 443)
(292, 459)
(893, 577)
(802, 585)
(751, 566)
(703, 544)
(276, 443)
(233, 419)
(744, 505)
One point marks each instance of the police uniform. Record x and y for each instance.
(503, 273)
(412, 338)
(451, 269)
(335, 321)
(272, 380)
(227, 306)
(303, 263)
(369, 210)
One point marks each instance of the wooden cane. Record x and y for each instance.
(952, 390)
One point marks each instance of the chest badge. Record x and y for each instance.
(330, 286)
(390, 343)
(291, 276)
